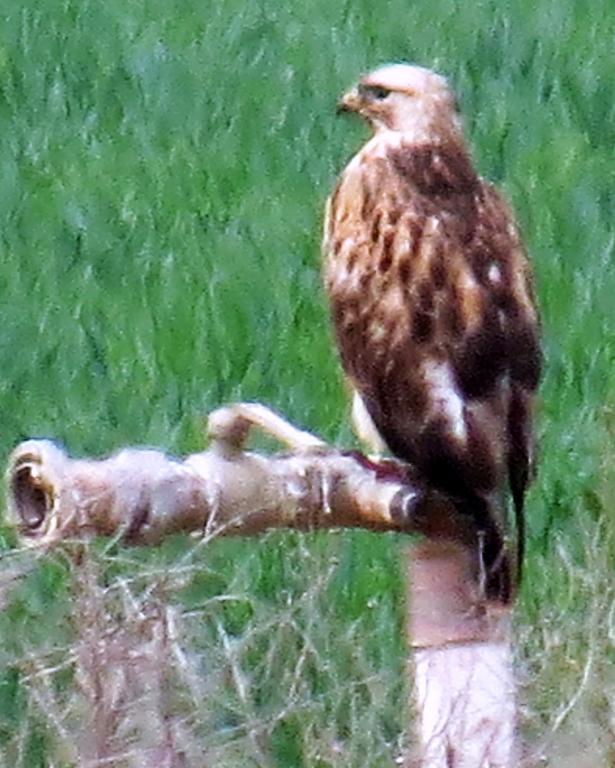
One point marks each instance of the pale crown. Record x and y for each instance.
(408, 99)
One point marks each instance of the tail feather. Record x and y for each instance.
(495, 569)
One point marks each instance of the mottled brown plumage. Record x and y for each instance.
(432, 304)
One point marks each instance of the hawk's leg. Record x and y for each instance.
(365, 428)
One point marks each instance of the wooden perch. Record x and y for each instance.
(145, 495)
(463, 678)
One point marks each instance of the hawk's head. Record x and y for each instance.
(408, 99)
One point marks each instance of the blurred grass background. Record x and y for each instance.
(163, 171)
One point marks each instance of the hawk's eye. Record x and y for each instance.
(375, 92)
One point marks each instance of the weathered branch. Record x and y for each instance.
(463, 678)
(145, 495)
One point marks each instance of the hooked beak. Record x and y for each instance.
(350, 102)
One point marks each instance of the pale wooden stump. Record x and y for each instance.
(464, 691)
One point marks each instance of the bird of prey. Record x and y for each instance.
(433, 307)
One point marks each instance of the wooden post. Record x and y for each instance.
(464, 691)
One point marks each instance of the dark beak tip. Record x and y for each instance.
(343, 108)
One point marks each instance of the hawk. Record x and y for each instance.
(433, 307)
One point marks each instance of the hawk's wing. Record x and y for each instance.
(434, 315)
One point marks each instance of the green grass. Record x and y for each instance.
(163, 171)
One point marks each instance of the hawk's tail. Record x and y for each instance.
(497, 574)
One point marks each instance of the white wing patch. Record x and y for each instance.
(445, 398)
(494, 274)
